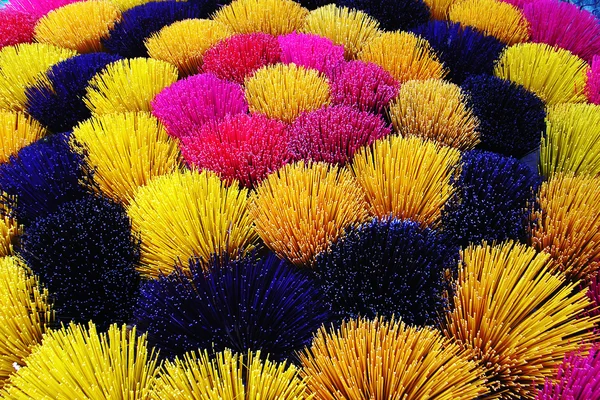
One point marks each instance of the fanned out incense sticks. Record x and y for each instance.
(435, 110)
(334, 134)
(555, 75)
(492, 17)
(344, 26)
(593, 81)
(463, 50)
(593, 293)
(244, 148)
(15, 27)
(383, 359)
(515, 317)
(9, 232)
(493, 201)
(406, 178)
(299, 199)
(388, 267)
(564, 25)
(37, 8)
(511, 118)
(439, 8)
(518, 3)
(393, 14)
(248, 304)
(25, 314)
(365, 86)
(78, 26)
(85, 254)
(58, 101)
(139, 23)
(310, 51)
(87, 364)
(567, 226)
(174, 225)
(128, 85)
(275, 17)
(17, 130)
(314, 202)
(404, 55)
(43, 176)
(284, 91)
(577, 377)
(184, 43)
(21, 66)
(125, 151)
(572, 140)
(228, 375)
(239, 56)
(125, 5)
(190, 103)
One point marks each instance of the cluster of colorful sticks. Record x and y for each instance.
(271, 199)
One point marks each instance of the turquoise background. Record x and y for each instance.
(590, 5)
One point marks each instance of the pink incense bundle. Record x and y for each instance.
(239, 56)
(363, 85)
(593, 81)
(593, 293)
(518, 3)
(15, 27)
(578, 376)
(311, 51)
(564, 25)
(242, 147)
(334, 134)
(36, 8)
(188, 104)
